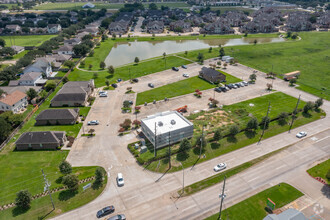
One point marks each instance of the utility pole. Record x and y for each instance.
(155, 152)
(169, 150)
(201, 140)
(263, 130)
(182, 178)
(294, 113)
(46, 188)
(222, 196)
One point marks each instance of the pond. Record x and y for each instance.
(125, 52)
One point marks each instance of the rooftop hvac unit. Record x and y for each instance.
(173, 122)
(160, 123)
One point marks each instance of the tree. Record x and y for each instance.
(200, 57)
(308, 106)
(292, 81)
(81, 49)
(90, 66)
(65, 80)
(111, 70)
(153, 6)
(99, 174)
(91, 131)
(31, 93)
(126, 124)
(71, 181)
(95, 75)
(233, 130)
(23, 199)
(201, 141)
(2, 42)
(282, 118)
(113, 36)
(68, 63)
(186, 53)
(246, 34)
(164, 55)
(255, 41)
(5, 129)
(221, 52)
(136, 60)
(217, 135)
(185, 145)
(265, 122)
(253, 77)
(289, 34)
(50, 85)
(210, 49)
(65, 167)
(318, 103)
(107, 83)
(102, 65)
(269, 86)
(252, 124)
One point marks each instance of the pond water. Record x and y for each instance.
(125, 52)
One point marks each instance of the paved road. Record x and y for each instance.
(141, 192)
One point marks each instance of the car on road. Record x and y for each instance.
(175, 68)
(118, 217)
(220, 166)
(185, 75)
(103, 94)
(120, 179)
(135, 80)
(93, 122)
(245, 83)
(119, 80)
(151, 85)
(184, 66)
(114, 85)
(301, 134)
(105, 211)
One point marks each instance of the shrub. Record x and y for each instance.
(265, 122)
(65, 167)
(23, 199)
(140, 160)
(71, 181)
(217, 135)
(308, 106)
(234, 129)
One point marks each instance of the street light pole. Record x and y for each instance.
(222, 197)
(182, 178)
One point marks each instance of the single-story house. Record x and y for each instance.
(17, 49)
(54, 28)
(73, 93)
(41, 140)
(57, 117)
(39, 66)
(212, 75)
(15, 101)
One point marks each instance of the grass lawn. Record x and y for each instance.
(64, 201)
(26, 40)
(133, 70)
(182, 87)
(321, 170)
(217, 178)
(309, 55)
(255, 206)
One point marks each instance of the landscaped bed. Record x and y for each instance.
(321, 170)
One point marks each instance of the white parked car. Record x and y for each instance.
(120, 179)
(103, 94)
(219, 167)
(301, 134)
(245, 83)
(93, 122)
(185, 75)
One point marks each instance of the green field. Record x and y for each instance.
(129, 71)
(179, 88)
(254, 207)
(309, 55)
(321, 170)
(28, 40)
(64, 201)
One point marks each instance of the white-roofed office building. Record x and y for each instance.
(167, 128)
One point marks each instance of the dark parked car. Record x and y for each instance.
(175, 68)
(118, 217)
(151, 85)
(223, 89)
(218, 89)
(230, 86)
(184, 66)
(238, 85)
(105, 211)
(119, 80)
(135, 80)
(114, 85)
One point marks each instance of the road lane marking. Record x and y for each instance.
(322, 139)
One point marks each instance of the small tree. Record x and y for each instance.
(210, 49)
(65, 167)
(68, 63)
(95, 75)
(292, 81)
(201, 141)
(282, 118)
(255, 41)
(252, 124)
(164, 55)
(107, 83)
(221, 52)
(126, 124)
(91, 131)
(269, 86)
(136, 123)
(265, 122)
(217, 135)
(200, 57)
(308, 106)
(186, 53)
(136, 60)
(289, 34)
(113, 36)
(102, 65)
(99, 174)
(111, 70)
(65, 80)
(90, 66)
(225, 65)
(214, 102)
(234, 129)
(185, 145)
(318, 103)
(50, 85)
(31, 93)
(23, 199)
(71, 181)
(253, 77)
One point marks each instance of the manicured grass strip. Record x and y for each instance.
(215, 179)
(64, 201)
(27, 40)
(174, 89)
(255, 206)
(230, 78)
(129, 71)
(321, 170)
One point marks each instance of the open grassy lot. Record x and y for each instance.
(223, 119)
(224, 9)
(321, 170)
(129, 71)
(64, 201)
(27, 40)
(255, 206)
(310, 55)
(182, 87)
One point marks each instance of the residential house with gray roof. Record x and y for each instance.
(57, 117)
(40, 66)
(41, 140)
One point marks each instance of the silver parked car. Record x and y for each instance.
(118, 217)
